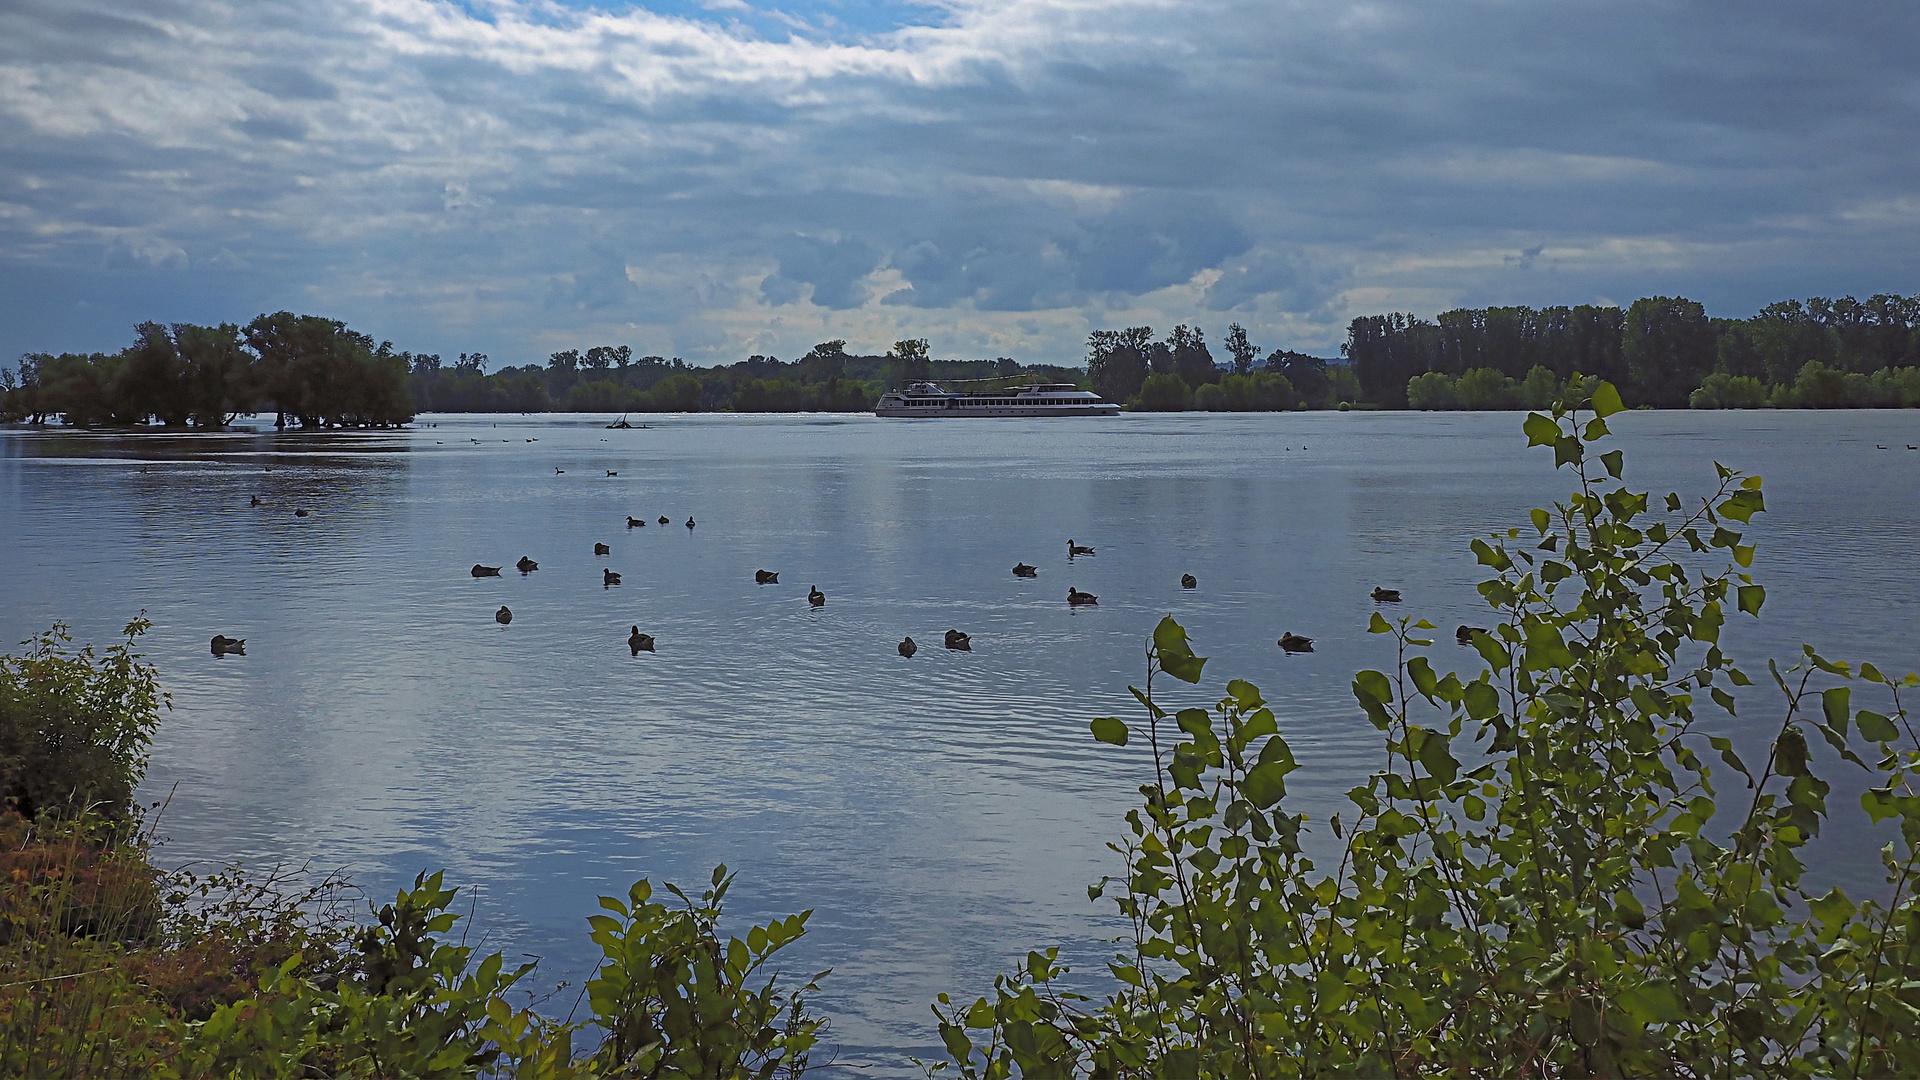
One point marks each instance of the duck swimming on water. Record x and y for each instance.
(1025, 570)
(815, 597)
(765, 577)
(602, 549)
(639, 642)
(1385, 596)
(256, 501)
(1292, 642)
(664, 521)
(609, 577)
(689, 524)
(222, 645)
(1077, 549)
(1464, 633)
(1081, 599)
(485, 571)
(503, 616)
(1188, 581)
(960, 641)
(526, 565)
(907, 647)
(636, 523)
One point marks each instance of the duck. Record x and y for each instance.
(689, 524)
(256, 501)
(558, 471)
(960, 641)
(222, 645)
(1464, 633)
(1081, 599)
(765, 577)
(485, 571)
(815, 597)
(907, 647)
(636, 523)
(639, 642)
(1876, 446)
(602, 549)
(1077, 549)
(610, 472)
(302, 512)
(1292, 642)
(503, 616)
(1385, 596)
(1188, 581)
(1025, 570)
(609, 577)
(664, 520)
(526, 565)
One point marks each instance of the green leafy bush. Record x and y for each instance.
(75, 727)
(1432, 390)
(1165, 392)
(1723, 391)
(1541, 881)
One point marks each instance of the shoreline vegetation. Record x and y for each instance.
(1660, 352)
(1546, 877)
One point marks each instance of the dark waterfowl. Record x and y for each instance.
(485, 571)
(1081, 599)
(1077, 549)
(256, 500)
(1025, 570)
(960, 641)
(302, 512)
(689, 524)
(635, 523)
(1385, 596)
(1292, 642)
(526, 565)
(766, 577)
(503, 616)
(223, 645)
(558, 471)
(664, 520)
(639, 642)
(610, 472)
(1188, 581)
(907, 647)
(609, 577)
(602, 549)
(1464, 633)
(815, 597)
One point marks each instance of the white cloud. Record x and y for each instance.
(998, 175)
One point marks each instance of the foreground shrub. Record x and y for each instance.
(1541, 881)
(75, 727)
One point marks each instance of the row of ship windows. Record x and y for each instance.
(995, 401)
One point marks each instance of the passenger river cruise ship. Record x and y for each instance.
(1035, 399)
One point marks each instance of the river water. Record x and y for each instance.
(941, 814)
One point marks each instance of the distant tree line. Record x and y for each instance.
(1179, 373)
(312, 372)
(1662, 351)
(609, 378)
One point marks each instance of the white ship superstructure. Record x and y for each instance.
(926, 399)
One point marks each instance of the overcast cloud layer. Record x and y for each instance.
(711, 178)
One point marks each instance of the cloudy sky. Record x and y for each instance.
(711, 178)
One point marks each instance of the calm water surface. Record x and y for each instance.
(940, 814)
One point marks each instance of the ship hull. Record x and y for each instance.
(954, 411)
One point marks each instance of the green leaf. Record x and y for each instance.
(1742, 505)
(1751, 597)
(1175, 653)
(1606, 400)
(1834, 703)
(1109, 729)
(1540, 430)
(1424, 680)
(1490, 650)
(1790, 753)
(1875, 727)
(1541, 519)
(1614, 462)
(1489, 556)
(1379, 625)
(1265, 784)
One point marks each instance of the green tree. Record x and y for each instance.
(1117, 361)
(1244, 352)
(1669, 347)
(1165, 392)
(1431, 391)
